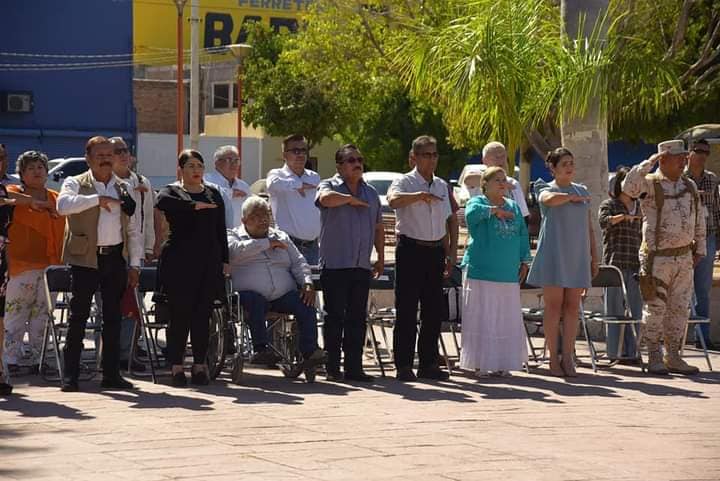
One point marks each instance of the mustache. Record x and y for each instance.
(103, 164)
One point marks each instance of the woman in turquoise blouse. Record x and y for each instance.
(493, 338)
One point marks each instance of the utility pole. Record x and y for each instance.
(194, 75)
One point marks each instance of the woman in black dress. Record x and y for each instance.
(191, 263)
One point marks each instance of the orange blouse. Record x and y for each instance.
(35, 238)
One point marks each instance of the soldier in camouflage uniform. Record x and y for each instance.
(673, 241)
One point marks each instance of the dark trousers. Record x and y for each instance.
(111, 278)
(418, 277)
(290, 303)
(346, 295)
(190, 310)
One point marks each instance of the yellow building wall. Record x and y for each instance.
(155, 25)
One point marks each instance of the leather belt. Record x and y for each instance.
(422, 243)
(109, 250)
(673, 251)
(301, 242)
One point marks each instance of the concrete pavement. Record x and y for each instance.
(614, 425)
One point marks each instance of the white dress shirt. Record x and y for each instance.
(109, 227)
(233, 205)
(144, 213)
(421, 220)
(295, 214)
(271, 272)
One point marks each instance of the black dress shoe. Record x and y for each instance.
(265, 357)
(359, 376)
(434, 373)
(200, 378)
(179, 379)
(115, 382)
(405, 374)
(5, 388)
(69, 384)
(334, 376)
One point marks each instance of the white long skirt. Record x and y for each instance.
(493, 335)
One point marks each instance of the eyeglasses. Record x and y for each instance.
(701, 151)
(297, 151)
(428, 155)
(121, 150)
(230, 160)
(353, 160)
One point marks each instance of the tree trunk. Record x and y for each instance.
(586, 137)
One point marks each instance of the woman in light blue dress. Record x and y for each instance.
(566, 258)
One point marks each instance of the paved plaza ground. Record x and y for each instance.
(615, 425)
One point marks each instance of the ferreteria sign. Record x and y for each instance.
(221, 23)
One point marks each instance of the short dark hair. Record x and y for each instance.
(620, 174)
(340, 153)
(188, 154)
(293, 138)
(422, 141)
(554, 156)
(95, 141)
(27, 158)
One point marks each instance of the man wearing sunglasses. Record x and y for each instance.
(707, 183)
(292, 190)
(351, 226)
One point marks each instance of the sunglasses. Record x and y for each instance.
(121, 150)
(297, 151)
(701, 151)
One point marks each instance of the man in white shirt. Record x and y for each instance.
(233, 189)
(423, 257)
(98, 238)
(292, 190)
(495, 154)
(141, 192)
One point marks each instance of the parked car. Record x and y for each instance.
(381, 181)
(59, 169)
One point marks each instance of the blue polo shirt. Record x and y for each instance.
(347, 233)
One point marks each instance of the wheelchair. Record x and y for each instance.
(230, 340)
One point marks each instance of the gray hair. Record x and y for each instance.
(492, 147)
(253, 203)
(27, 158)
(117, 140)
(224, 150)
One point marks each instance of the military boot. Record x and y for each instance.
(655, 363)
(675, 364)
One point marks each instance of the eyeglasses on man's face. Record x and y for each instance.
(701, 151)
(121, 150)
(297, 151)
(230, 160)
(353, 160)
(428, 155)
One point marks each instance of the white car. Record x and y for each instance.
(381, 181)
(59, 169)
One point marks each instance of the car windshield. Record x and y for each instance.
(381, 185)
(53, 163)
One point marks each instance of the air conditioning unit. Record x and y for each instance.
(17, 102)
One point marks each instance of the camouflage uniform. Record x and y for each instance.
(682, 234)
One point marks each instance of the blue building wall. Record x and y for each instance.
(70, 105)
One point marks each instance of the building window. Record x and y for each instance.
(234, 95)
(221, 96)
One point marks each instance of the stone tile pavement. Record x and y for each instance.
(615, 425)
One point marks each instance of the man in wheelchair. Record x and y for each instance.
(270, 275)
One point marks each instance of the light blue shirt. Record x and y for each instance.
(497, 246)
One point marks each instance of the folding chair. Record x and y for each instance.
(695, 322)
(56, 279)
(382, 318)
(452, 291)
(610, 276)
(147, 283)
(533, 316)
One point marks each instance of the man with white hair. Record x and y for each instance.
(270, 274)
(495, 154)
(233, 189)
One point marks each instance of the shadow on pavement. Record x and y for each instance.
(139, 399)
(30, 408)
(419, 391)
